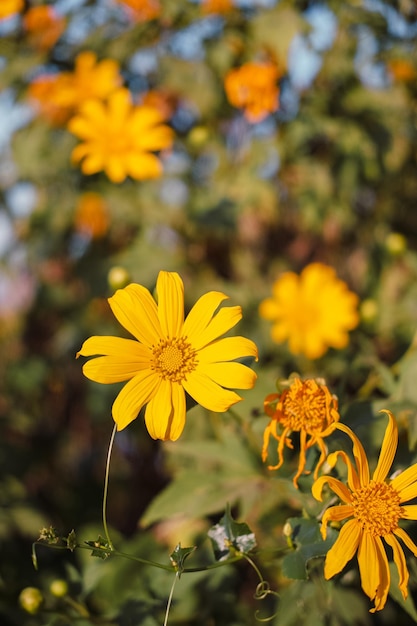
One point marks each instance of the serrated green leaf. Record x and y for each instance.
(229, 537)
(178, 557)
(307, 542)
(101, 548)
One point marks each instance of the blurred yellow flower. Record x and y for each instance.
(373, 508)
(217, 6)
(306, 407)
(59, 96)
(313, 311)
(253, 88)
(143, 10)
(43, 27)
(119, 137)
(10, 7)
(170, 356)
(91, 215)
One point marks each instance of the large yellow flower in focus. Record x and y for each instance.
(373, 507)
(313, 311)
(119, 138)
(170, 356)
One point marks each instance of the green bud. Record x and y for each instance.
(58, 588)
(31, 600)
(118, 277)
(396, 244)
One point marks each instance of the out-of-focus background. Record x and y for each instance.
(326, 173)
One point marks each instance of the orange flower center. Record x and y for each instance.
(377, 508)
(173, 359)
(305, 407)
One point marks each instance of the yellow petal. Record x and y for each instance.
(401, 534)
(343, 550)
(409, 511)
(388, 450)
(403, 481)
(374, 571)
(170, 289)
(228, 349)
(223, 321)
(165, 413)
(136, 310)
(209, 394)
(134, 395)
(142, 166)
(399, 560)
(123, 359)
(115, 168)
(335, 514)
(361, 460)
(335, 485)
(229, 375)
(353, 479)
(200, 315)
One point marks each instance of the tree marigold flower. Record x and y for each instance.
(143, 10)
(252, 87)
(170, 356)
(119, 137)
(314, 311)
(43, 26)
(373, 507)
(10, 7)
(306, 407)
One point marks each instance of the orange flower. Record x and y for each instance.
(306, 407)
(119, 138)
(10, 7)
(42, 94)
(402, 70)
(91, 216)
(143, 10)
(216, 6)
(61, 95)
(252, 87)
(43, 26)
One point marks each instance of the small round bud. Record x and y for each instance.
(396, 244)
(59, 588)
(198, 136)
(31, 600)
(118, 277)
(369, 310)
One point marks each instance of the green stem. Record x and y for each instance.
(106, 488)
(171, 593)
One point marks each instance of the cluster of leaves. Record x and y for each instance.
(330, 176)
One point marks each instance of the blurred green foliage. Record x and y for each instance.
(331, 177)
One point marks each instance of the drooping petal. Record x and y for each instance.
(209, 394)
(227, 349)
(134, 395)
(344, 548)
(335, 514)
(361, 460)
(223, 321)
(165, 413)
(136, 310)
(123, 359)
(335, 485)
(401, 534)
(404, 480)
(201, 314)
(352, 479)
(170, 289)
(400, 562)
(388, 449)
(229, 375)
(373, 569)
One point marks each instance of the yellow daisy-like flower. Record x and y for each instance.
(373, 507)
(119, 137)
(306, 407)
(252, 87)
(170, 356)
(10, 7)
(314, 311)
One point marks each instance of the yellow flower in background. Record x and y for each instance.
(373, 507)
(10, 7)
(91, 215)
(43, 26)
(252, 87)
(119, 138)
(143, 10)
(306, 407)
(313, 311)
(170, 356)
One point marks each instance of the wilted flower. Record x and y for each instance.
(313, 311)
(373, 507)
(306, 407)
(170, 356)
(253, 88)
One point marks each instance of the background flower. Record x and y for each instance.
(253, 88)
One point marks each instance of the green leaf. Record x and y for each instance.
(394, 592)
(230, 537)
(307, 543)
(101, 548)
(178, 557)
(72, 541)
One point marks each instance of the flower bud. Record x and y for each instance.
(31, 600)
(59, 588)
(118, 277)
(396, 244)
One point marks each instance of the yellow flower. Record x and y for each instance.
(373, 508)
(10, 7)
(119, 137)
(314, 311)
(306, 407)
(170, 356)
(252, 87)
(143, 10)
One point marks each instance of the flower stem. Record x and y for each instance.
(171, 593)
(106, 488)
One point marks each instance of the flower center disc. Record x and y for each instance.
(377, 508)
(304, 408)
(173, 359)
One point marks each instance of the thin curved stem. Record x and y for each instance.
(171, 593)
(106, 488)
